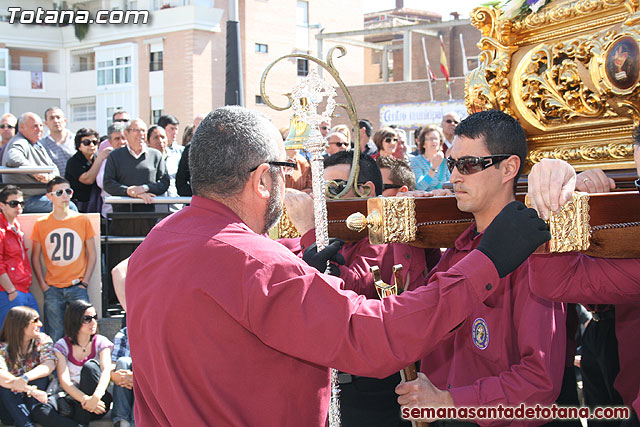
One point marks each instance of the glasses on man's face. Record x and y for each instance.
(121, 120)
(451, 121)
(339, 144)
(469, 165)
(324, 127)
(35, 320)
(59, 193)
(287, 167)
(14, 203)
(390, 186)
(88, 142)
(87, 319)
(338, 187)
(389, 139)
(6, 126)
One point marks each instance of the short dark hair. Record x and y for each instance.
(636, 137)
(55, 181)
(51, 109)
(82, 132)
(400, 171)
(118, 111)
(167, 119)
(73, 318)
(366, 124)
(9, 190)
(369, 170)
(502, 134)
(226, 145)
(151, 130)
(382, 134)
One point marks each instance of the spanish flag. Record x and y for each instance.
(444, 67)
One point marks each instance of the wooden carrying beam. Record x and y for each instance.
(613, 222)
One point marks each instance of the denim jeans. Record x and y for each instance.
(17, 407)
(55, 303)
(122, 397)
(26, 299)
(40, 204)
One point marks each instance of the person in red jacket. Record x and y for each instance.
(15, 270)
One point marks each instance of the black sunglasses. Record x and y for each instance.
(287, 166)
(324, 127)
(469, 165)
(87, 319)
(455, 122)
(87, 142)
(15, 203)
(121, 120)
(35, 320)
(390, 186)
(389, 139)
(340, 184)
(6, 126)
(339, 144)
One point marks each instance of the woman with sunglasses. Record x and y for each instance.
(84, 365)
(82, 170)
(15, 269)
(26, 361)
(386, 139)
(429, 165)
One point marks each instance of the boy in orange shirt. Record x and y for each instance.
(66, 240)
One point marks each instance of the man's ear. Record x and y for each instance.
(260, 181)
(372, 186)
(510, 168)
(403, 189)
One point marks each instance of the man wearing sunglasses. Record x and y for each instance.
(8, 123)
(448, 125)
(587, 280)
(495, 356)
(337, 142)
(230, 300)
(66, 241)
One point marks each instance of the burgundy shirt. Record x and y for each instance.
(509, 350)
(580, 278)
(228, 327)
(360, 256)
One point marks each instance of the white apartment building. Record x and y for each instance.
(173, 64)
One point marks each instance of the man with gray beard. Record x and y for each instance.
(228, 327)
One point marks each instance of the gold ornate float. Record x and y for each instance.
(569, 73)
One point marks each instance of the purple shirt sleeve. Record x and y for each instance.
(360, 336)
(580, 278)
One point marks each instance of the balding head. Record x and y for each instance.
(228, 143)
(30, 126)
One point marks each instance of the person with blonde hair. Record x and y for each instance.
(343, 129)
(429, 165)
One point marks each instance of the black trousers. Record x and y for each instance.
(600, 364)
(371, 402)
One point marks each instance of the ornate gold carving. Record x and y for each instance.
(487, 87)
(570, 230)
(390, 219)
(569, 227)
(285, 228)
(607, 152)
(563, 13)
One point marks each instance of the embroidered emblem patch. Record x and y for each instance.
(480, 333)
